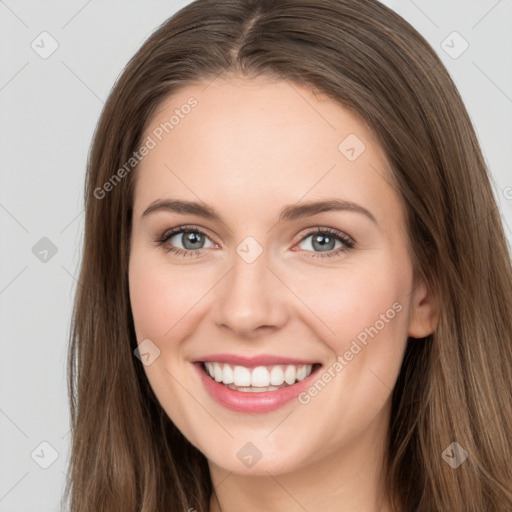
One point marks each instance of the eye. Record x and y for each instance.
(324, 240)
(192, 239)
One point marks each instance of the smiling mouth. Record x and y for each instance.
(258, 379)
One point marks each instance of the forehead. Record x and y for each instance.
(262, 140)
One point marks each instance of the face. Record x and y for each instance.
(301, 313)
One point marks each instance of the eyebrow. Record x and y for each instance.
(288, 213)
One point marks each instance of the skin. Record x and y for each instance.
(250, 147)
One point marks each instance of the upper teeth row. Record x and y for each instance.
(260, 376)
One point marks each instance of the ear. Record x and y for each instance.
(423, 319)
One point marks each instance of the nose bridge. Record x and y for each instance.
(250, 295)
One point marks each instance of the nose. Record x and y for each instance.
(251, 300)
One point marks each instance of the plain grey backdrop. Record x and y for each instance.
(58, 62)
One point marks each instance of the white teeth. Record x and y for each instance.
(251, 389)
(217, 372)
(289, 374)
(302, 372)
(276, 376)
(258, 377)
(241, 376)
(227, 374)
(209, 369)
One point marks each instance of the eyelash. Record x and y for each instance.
(347, 242)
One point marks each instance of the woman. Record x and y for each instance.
(295, 287)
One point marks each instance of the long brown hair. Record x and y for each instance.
(455, 386)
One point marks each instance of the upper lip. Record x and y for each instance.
(249, 361)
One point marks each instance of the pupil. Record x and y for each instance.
(192, 238)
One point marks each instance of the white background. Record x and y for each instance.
(48, 111)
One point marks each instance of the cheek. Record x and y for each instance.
(364, 312)
(161, 302)
(160, 295)
(358, 302)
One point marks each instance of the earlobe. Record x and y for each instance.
(423, 319)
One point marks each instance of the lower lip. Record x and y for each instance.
(258, 402)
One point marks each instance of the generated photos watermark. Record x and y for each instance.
(356, 346)
(150, 142)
